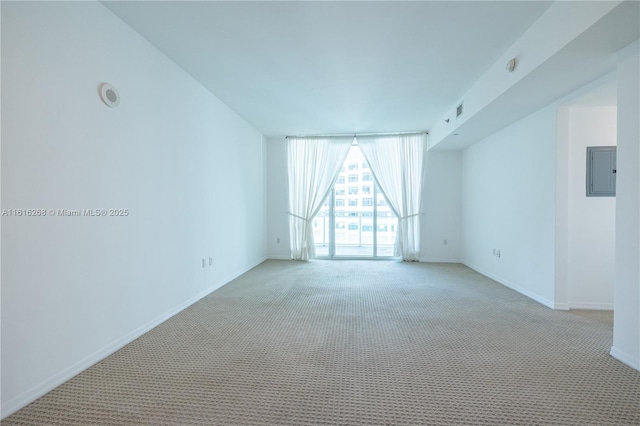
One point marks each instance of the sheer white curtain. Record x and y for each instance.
(314, 165)
(397, 164)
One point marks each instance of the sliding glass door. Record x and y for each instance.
(355, 221)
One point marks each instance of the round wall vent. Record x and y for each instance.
(109, 95)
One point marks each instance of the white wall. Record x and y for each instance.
(626, 332)
(441, 205)
(508, 193)
(189, 170)
(277, 200)
(591, 220)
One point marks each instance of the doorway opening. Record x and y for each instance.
(355, 221)
(586, 224)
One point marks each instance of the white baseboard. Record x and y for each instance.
(278, 257)
(546, 302)
(630, 360)
(30, 395)
(561, 306)
(438, 260)
(591, 306)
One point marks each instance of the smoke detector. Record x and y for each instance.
(109, 95)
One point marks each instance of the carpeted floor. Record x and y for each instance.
(357, 343)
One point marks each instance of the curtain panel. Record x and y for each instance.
(397, 165)
(313, 165)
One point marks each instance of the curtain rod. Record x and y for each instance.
(355, 135)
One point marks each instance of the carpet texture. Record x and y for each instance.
(357, 343)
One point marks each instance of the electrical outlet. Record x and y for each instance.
(497, 253)
(210, 261)
(277, 240)
(204, 263)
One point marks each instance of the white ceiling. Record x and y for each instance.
(304, 68)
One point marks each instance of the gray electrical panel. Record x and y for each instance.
(601, 171)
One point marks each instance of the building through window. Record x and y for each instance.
(370, 227)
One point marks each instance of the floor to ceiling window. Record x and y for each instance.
(355, 221)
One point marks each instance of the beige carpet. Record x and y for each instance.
(357, 343)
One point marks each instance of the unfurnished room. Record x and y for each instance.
(320, 212)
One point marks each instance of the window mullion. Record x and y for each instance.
(332, 224)
(375, 220)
